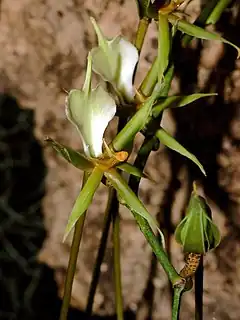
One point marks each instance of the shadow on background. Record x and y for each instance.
(27, 289)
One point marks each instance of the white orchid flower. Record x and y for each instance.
(90, 110)
(115, 60)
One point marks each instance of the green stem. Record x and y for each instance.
(199, 291)
(149, 82)
(140, 36)
(117, 265)
(78, 230)
(141, 33)
(140, 162)
(158, 250)
(217, 11)
(111, 207)
(176, 301)
(164, 45)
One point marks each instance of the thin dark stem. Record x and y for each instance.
(111, 207)
(117, 265)
(199, 291)
(78, 230)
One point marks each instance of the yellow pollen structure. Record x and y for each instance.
(110, 159)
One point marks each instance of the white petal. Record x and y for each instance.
(129, 59)
(115, 60)
(91, 116)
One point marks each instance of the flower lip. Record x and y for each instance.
(90, 110)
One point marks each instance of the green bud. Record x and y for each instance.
(196, 232)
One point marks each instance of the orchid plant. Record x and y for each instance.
(90, 111)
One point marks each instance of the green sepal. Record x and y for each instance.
(166, 139)
(84, 199)
(198, 32)
(177, 102)
(128, 197)
(131, 169)
(196, 232)
(214, 236)
(77, 159)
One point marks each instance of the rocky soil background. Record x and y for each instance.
(44, 44)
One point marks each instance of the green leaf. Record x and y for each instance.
(76, 158)
(164, 45)
(171, 143)
(131, 169)
(84, 199)
(177, 102)
(130, 200)
(198, 32)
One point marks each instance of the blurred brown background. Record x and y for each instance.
(44, 44)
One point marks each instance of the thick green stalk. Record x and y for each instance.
(149, 82)
(134, 125)
(117, 265)
(139, 120)
(164, 45)
(78, 230)
(176, 301)
(111, 207)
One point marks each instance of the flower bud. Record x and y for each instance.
(196, 232)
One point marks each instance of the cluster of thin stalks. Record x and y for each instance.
(179, 280)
